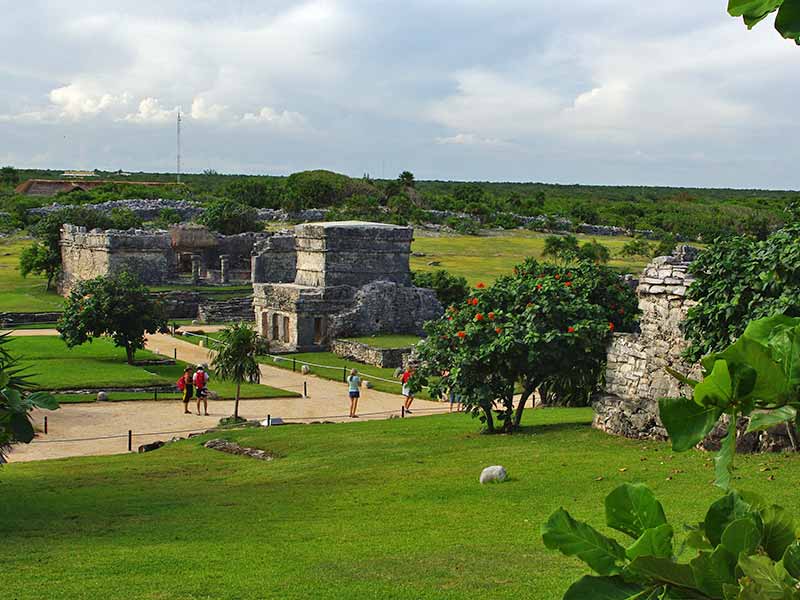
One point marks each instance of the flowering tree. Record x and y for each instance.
(542, 322)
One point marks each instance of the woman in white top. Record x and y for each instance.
(354, 383)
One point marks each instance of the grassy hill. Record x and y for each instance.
(388, 509)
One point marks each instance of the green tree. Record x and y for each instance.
(740, 279)
(44, 257)
(229, 217)
(450, 289)
(166, 218)
(563, 248)
(637, 247)
(406, 178)
(117, 306)
(124, 218)
(16, 401)
(256, 191)
(9, 176)
(235, 359)
(595, 252)
(544, 321)
(787, 21)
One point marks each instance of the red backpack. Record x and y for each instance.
(181, 384)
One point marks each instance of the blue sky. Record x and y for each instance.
(596, 92)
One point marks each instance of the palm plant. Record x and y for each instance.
(235, 359)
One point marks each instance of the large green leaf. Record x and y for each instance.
(712, 570)
(722, 513)
(21, 427)
(43, 400)
(632, 508)
(723, 461)
(573, 538)
(785, 348)
(663, 570)
(686, 421)
(15, 400)
(788, 20)
(603, 588)
(755, 375)
(761, 571)
(653, 542)
(760, 421)
(791, 559)
(761, 330)
(779, 531)
(716, 389)
(742, 535)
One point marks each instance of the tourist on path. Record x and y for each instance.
(407, 374)
(201, 387)
(354, 383)
(185, 386)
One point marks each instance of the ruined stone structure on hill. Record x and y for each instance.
(636, 377)
(337, 279)
(189, 254)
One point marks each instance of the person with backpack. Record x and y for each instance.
(201, 388)
(354, 383)
(409, 395)
(185, 386)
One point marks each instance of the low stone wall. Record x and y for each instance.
(387, 358)
(179, 304)
(145, 208)
(8, 319)
(226, 311)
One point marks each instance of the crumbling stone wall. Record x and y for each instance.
(275, 259)
(387, 358)
(635, 376)
(89, 254)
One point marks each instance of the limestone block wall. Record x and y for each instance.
(387, 358)
(89, 254)
(635, 376)
(275, 259)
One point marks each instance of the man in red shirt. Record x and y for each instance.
(200, 381)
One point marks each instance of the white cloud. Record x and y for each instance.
(151, 111)
(203, 111)
(468, 139)
(284, 119)
(75, 101)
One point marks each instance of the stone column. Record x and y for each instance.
(195, 268)
(224, 276)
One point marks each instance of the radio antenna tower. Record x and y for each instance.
(179, 145)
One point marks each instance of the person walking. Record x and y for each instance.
(186, 387)
(407, 374)
(200, 380)
(354, 385)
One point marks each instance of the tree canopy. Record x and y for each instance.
(235, 359)
(787, 20)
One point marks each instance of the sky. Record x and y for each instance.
(589, 91)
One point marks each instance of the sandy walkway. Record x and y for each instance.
(327, 401)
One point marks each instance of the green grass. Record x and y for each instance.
(19, 294)
(34, 326)
(100, 365)
(331, 360)
(388, 509)
(485, 258)
(388, 341)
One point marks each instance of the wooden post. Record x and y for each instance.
(294, 365)
(130, 440)
(45, 425)
(403, 412)
(305, 395)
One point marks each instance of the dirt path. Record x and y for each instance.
(327, 401)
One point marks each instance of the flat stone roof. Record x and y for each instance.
(352, 225)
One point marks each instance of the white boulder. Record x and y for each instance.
(495, 473)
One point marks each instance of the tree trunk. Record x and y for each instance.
(526, 393)
(489, 420)
(236, 403)
(129, 353)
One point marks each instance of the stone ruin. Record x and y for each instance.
(635, 375)
(337, 279)
(184, 254)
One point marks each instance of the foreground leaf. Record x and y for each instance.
(686, 421)
(663, 570)
(722, 513)
(633, 509)
(742, 535)
(791, 559)
(653, 542)
(766, 584)
(788, 20)
(764, 420)
(779, 531)
(723, 461)
(573, 538)
(712, 570)
(603, 588)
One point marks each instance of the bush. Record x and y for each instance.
(166, 218)
(462, 226)
(450, 289)
(738, 280)
(124, 218)
(746, 549)
(229, 217)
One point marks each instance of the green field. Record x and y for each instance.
(100, 365)
(383, 509)
(19, 294)
(485, 258)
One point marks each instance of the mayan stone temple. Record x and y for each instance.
(337, 279)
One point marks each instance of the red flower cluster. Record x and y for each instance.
(498, 330)
(568, 284)
(570, 330)
(622, 311)
(491, 316)
(481, 285)
(479, 317)
(558, 276)
(473, 301)
(462, 334)
(610, 326)
(538, 286)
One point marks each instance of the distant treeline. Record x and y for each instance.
(691, 213)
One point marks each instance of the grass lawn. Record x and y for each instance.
(340, 366)
(388, 341)
(485, 258)
(100, 364)
(18, 294)
(384, 509)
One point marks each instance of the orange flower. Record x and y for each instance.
(491, 316)
(479, 317)
(569, 275)
(558, 276)
(474, 302)
(449, 318)
(610, 326)
(570, 330)
(568, 283)
(462, 334)
(481, 285)
(538, 286)
(622, 311)
(498, 330)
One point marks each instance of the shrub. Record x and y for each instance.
(462, 225)
(450, 289)
(746, 549)
(229, 217)
(124, 218)
(738, 280)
